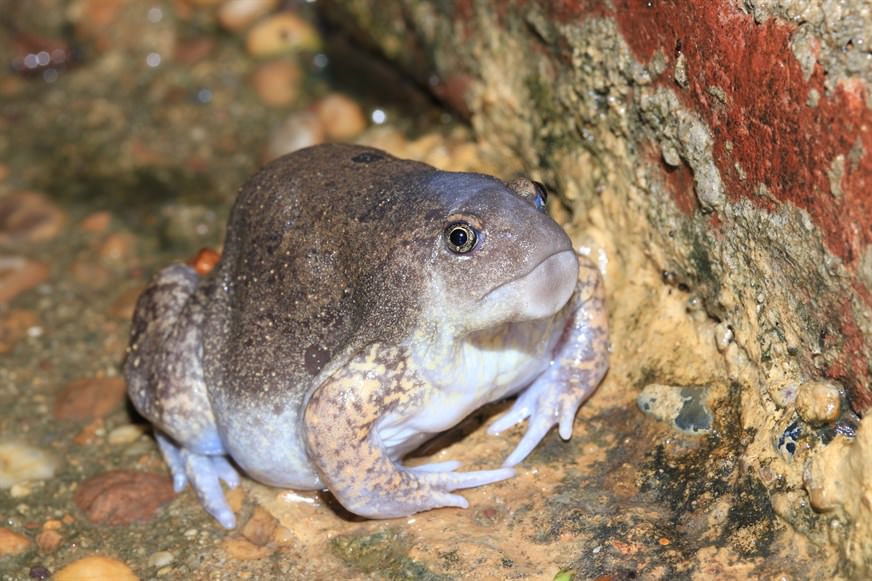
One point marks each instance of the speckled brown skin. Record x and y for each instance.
(339, 330)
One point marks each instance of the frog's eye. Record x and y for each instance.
(541, 196)
(460, 237)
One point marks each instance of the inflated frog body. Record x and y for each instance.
(362, 304)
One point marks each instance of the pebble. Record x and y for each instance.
(682, 407)
(87, 272)
(95, 568)
(20, 462)
(49, 541)
(95, 19)
(260, 527)
(282, 33)
(27, 217)
(205, 261)
(341, 116)
(12, 543)
(236, 15)
(96, 223)
(296, 132)
(21, 489)
(126, 434)
(244, 550)
(121, 497)
(19, 275)
(277, 83)
(89, 398)
(14, 325)
(116, 248)
(819, 402)
(90, 433)
(160, 559)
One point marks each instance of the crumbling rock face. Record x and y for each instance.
(719, 148)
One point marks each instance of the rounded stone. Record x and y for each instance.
(819, 402)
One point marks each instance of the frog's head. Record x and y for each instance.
(497, 256)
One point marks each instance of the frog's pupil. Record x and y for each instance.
(458, 237)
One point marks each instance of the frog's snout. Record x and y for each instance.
(541, 292)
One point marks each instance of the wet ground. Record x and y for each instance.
(122, 152)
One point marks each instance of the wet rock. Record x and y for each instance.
(239, 14)
(682, 407)
(121, 497)
(14, 325)
(20, 462)
(89, 398)
(244, 550)
(96, 569)
(838, 481)
(277, 83)
(19, 275)
(819, 402)
(12, 543)
(283, 33)
(260, 527)
(27, 217)
(49, 541)
(296, 132)
(341, 117)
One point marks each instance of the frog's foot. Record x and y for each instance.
(551, 400)
(421, 488)
(204, 472)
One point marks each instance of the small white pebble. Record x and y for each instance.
(160, 559)
(723, 336)
(20, 490)
(125, 434)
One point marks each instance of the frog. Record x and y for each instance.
(361, 305)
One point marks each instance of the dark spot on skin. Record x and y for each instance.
(367, 157)
(315, 358)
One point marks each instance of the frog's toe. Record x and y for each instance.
(521, 410)
(205, 472)
(174, 459)
(448, 466)
(226, 471)
(536, 430)
(449, 481)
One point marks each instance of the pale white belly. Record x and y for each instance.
(481, 370)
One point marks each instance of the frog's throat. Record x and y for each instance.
(541, 292)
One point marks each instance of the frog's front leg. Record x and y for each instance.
(341, 433)
(576, 369)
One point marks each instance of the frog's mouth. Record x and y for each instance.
(541, 292)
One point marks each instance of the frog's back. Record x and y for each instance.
(308, 241)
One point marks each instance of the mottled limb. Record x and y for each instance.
(204, 472)
(341, 432)
(577, 368)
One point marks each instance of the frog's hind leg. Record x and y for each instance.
(165, 382)
(342, 437)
